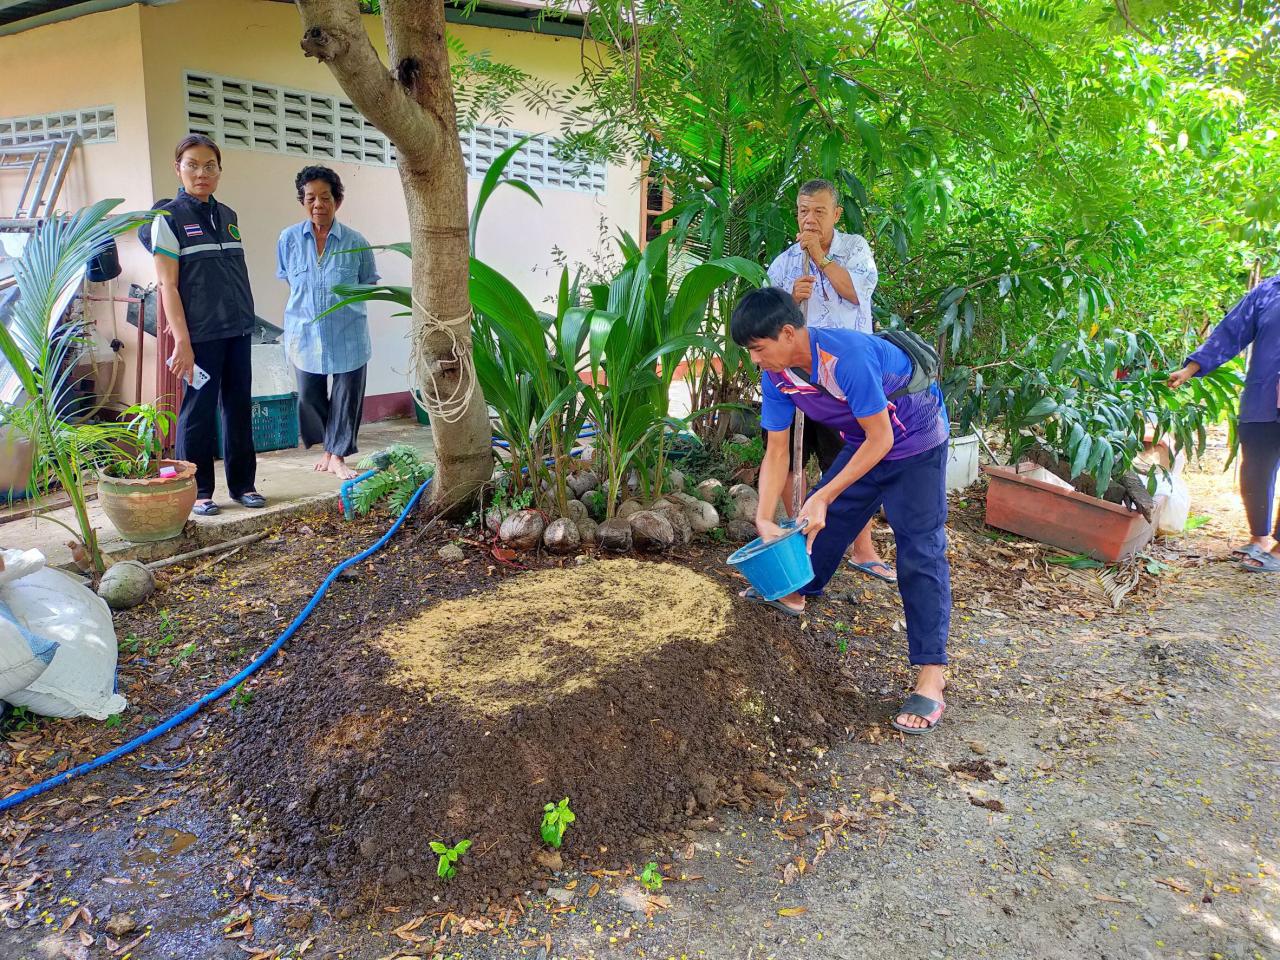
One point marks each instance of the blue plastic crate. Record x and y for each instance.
(275, 423)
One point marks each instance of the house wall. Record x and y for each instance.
(91, 62)
(146, 51)
(259, 41)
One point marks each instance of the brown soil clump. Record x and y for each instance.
(453, 707)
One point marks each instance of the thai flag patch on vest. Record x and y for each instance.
(193, 230)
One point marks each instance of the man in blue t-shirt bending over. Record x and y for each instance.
(895, 455)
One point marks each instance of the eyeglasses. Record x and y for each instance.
(209, 169)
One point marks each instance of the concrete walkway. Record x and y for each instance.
(285, 478)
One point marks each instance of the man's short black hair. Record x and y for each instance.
(311, 174)
(762, 314)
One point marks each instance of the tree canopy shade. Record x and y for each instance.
(1120, 153)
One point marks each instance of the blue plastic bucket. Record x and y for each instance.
(776, 568)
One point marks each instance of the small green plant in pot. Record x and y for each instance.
(1085, 414)
(69, 443)
(146, 497)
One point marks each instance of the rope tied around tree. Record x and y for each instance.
(424, 367)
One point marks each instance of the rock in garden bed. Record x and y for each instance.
(643, 691)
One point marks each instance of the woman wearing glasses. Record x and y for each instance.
(204, 286)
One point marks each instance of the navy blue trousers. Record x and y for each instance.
(1259, 463)
(913, 492)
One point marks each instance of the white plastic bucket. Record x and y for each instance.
(962, 461)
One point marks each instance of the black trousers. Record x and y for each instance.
(331, 416)
(227, 362)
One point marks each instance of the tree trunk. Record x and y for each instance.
(437, 207)
(412, 103)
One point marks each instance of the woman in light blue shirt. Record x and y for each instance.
(314, 256)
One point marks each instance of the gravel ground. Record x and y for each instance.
(1103, 785)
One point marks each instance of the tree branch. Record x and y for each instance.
(334, 34)
(420, 57)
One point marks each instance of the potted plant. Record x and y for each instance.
(147, 498)
(17, 457)
(961, 390)
(1084, 419)
(41, 347)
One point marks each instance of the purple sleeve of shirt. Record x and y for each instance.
(1231, 336)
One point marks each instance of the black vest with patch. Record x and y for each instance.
(213, 277)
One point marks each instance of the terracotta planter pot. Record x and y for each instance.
(154, 508)
(1063, 518)
(16, 456)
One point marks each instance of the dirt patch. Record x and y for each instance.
(645, 692)
(552, 632)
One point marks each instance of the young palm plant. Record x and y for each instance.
(42, 354)
(642, 328)
(612, 360)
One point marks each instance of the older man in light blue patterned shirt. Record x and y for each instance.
(314, 256)
(831, 276)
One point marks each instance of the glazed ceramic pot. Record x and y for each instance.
(152, 508)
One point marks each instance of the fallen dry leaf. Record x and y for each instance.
(792, 911)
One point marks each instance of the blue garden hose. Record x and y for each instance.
(8, 803)
(583, 434)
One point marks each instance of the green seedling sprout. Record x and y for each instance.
(445, 868)
(651, 878)
(556, 818)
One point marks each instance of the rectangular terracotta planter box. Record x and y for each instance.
(1063, 518)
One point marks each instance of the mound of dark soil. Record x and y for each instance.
(645, 692)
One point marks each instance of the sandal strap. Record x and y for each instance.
(926, 708)
(1262, 562)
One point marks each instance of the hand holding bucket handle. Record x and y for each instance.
(812, 518)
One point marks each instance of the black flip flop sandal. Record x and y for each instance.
(753, 595)
(252, 500)
(926, 708)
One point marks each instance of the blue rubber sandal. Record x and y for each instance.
(253, 500)
(753, 595)
(870, 570)
(1261, 562)
(1250, 551)
(926, 708)
(206, 509)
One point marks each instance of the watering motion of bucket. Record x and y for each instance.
(777, 567)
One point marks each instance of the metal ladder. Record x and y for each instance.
(46, 162)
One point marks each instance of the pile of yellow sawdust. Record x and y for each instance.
(552, 632)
